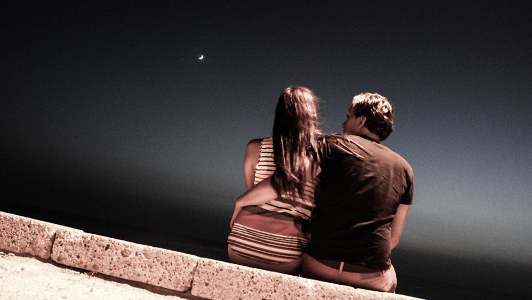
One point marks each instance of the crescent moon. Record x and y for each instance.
(201, 56)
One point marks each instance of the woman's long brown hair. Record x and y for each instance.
(294, 139)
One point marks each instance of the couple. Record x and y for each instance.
(347, 190)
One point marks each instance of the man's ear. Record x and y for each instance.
(362, 121)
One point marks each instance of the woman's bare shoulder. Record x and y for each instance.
(254, 146)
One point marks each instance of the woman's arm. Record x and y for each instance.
(262, 193)
(250, 162)
(398, 224)
(259, 194)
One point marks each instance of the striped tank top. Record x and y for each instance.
(273, 232)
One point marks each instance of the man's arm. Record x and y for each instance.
(259, 194)
(398, 224)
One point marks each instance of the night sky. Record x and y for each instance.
(107, 111)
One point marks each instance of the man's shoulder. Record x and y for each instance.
(326, 141)
(335, 138)
(370, 147)
(347, 140)
(399, 161)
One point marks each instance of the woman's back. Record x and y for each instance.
(274, 231)
(300, 208)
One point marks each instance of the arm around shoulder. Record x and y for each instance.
(259, 194)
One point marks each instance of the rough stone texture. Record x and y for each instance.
(126, 260)
(220, 280)
(208, 279)
(27, 236)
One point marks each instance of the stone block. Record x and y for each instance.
(126, 260)
(27, 236)
(220, 280)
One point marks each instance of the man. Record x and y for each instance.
(362, 201)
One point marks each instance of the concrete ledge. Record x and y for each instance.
(185, 273)
(126, 260)
(27, 236)
(220, 280)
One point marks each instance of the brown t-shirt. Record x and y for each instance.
(361, 184)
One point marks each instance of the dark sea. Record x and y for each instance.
(407, 285)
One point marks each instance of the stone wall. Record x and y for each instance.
(189, 274)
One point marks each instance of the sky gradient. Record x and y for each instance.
(107, 111)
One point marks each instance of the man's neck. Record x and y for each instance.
(369, 138)
(368, 134)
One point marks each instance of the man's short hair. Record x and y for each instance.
(378, 112)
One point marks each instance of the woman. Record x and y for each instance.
(271, 234)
